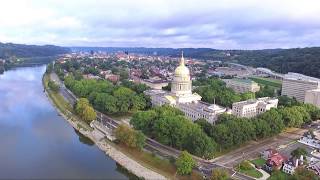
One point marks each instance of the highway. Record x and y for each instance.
(204, 166)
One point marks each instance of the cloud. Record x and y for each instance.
(228, 24)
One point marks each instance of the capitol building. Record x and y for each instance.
(181, 97)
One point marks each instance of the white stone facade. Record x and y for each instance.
(290, 166)
(181, 97)
(253, 107)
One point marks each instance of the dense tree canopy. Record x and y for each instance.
(214, 90)
(169, 126)
(231, 131)
(106, 97)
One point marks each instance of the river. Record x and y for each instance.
(38, 143)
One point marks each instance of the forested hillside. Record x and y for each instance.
(300, 60)
(8, 50)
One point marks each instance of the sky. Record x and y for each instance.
(219, 24)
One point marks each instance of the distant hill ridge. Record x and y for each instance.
(300, 60)
(8, 50)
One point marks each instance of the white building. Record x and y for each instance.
(253, 107)
(296, 85)
(182, 97)
(242, 85)
(313, 97)
(290, 166)
(310, 141)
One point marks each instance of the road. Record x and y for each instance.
(253, 149)
(203, 165)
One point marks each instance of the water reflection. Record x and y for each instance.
(83, 138)
(36, 142)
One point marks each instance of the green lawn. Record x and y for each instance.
(252, 172)
(267, 81)
(248, 169)
(259, 161)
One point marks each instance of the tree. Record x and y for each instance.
(274, 119)
(266, 91)
(89, 114)
(287, 101)
(49, 68)
(245, 165)
(124, 98)
(123, 75)
(262, 128)
(304, 174)
(313, 110)
(130, 137)
(292, 117)
(138, 103)
(85, 110)
(297, 153)
(219, 174)
(247, 95)
(185, 163)
(278, 175)
(53, 86)
(205, 126)
(144, 121)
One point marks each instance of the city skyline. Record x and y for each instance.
(161, 23)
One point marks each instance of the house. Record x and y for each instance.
(274, 162)
(315, 167)
(310, 140)
(290, 165)
(266, 154)
(90, 76)
(112, 77)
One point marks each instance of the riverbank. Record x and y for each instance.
(66, 111)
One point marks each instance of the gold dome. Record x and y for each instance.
(182, 70)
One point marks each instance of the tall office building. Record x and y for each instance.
(313, 97)
(296, 85)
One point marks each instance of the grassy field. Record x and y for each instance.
(253, 172)
(267, 81)
(259, 162)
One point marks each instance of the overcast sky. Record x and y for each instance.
(221, 24)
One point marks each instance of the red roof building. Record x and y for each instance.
(275, 162)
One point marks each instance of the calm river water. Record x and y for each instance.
(35, 142)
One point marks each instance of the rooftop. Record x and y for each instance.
(248, 81)
(297, 76)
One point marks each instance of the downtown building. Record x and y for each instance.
(181, 97)
(297, 86)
